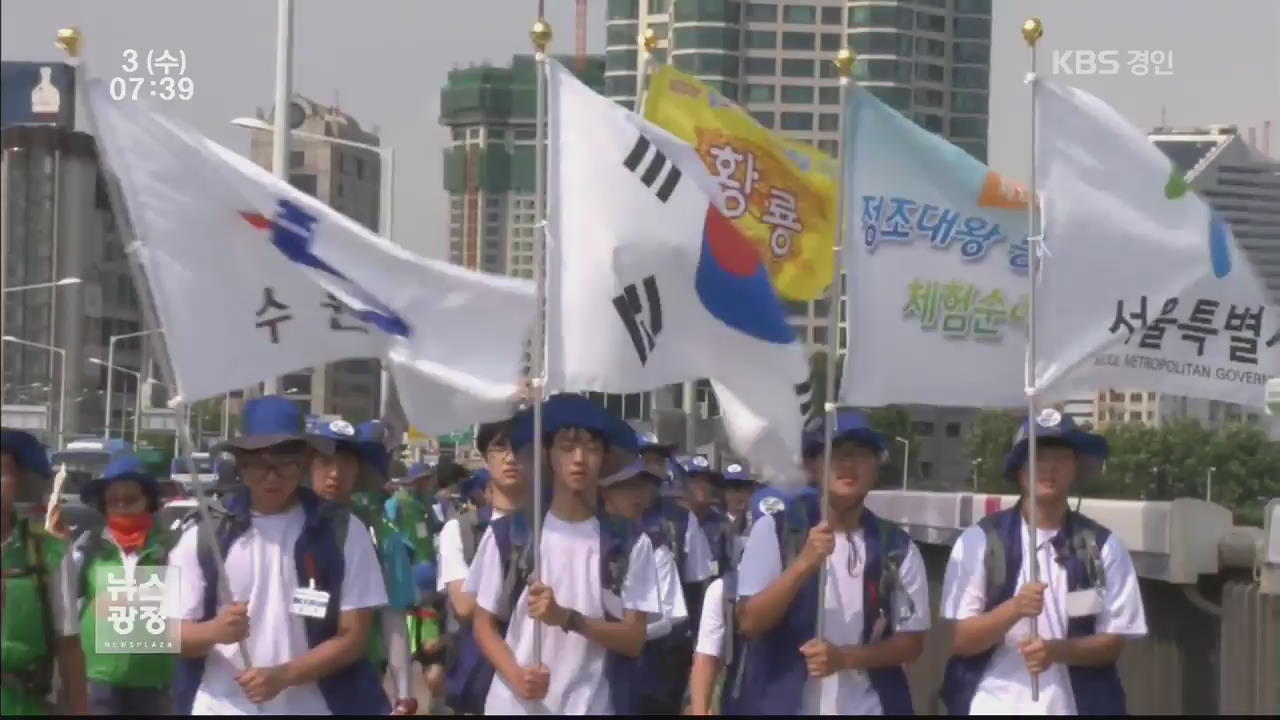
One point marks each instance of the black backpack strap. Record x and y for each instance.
(895, 544)
(88, 546)
(993, 559)
(468, 525)
(41, 679)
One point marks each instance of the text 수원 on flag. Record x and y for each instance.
(937, 265)
(254, 279)
(1143, 286)
(649, 284)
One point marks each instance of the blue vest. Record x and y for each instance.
(1097, 690)
(469, 674)
(767, 674)
(355, 689)
(513, 535)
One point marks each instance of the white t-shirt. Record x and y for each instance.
(670, 595)
(847, 692)
(452, 561)
(570, 554)
(711, 625)
(1006, 686)
(698, 561)
(261, 569)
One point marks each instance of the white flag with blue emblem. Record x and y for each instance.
(650, 285)
(253, 279)
(1143, 286)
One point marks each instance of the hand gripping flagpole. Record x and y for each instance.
(541, 36)
(71, 41)
(844, 66)
(1032, 30)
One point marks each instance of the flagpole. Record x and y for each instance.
(541, 36)
(71, 41)
(844, 66)
(649, 42)
(1032, 30)
(689, 388)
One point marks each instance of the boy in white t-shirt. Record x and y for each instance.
(469, 675)
(876, 606)
(1088, 600)
(597, 581)
(300, 599)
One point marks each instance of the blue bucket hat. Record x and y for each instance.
(416, 472)
(568, 410)
(271, 420)
(424, 576)
(121, 468)
(634, 469)
(850, 425)
(1051, 425)
(371, 443)
(27, 451)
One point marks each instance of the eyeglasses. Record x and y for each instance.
(499, 449)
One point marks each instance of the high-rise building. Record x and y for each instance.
(1243, 186)
(348, 179)
(56, 223)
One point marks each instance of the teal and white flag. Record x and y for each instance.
(1143, 287)
(936, 257)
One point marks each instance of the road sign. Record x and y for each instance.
(463, 438)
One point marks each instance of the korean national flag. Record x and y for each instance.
(650, 284)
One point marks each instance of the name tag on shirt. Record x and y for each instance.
(308, 602)
(422, 531)
(1083, 603)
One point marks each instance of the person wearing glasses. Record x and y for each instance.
(875, 607)
(300, 599)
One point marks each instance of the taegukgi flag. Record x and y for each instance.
(1143, 285)
(650, 284)
(936, 257)
(254, 279)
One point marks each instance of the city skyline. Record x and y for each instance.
(367, 80)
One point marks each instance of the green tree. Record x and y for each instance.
(988, 445)
(818, 379)
(893, 421)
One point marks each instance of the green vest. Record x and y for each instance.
(411, 521)
(367, 506)
(131, 670)
(29, 558)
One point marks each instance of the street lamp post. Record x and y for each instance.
(1208, 486)
(110, 363)
(906, 459)
(137, 409)
(62, 393)
(38, 286)
(386, 194)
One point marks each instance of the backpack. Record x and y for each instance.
(91, 543)
(472, 523)
(1097, 690)
(768, 673)
(318, 555)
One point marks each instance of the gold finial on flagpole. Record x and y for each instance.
(649, 40)
(1032, 30)
(844, 62)
(541, 35)
(69, 39)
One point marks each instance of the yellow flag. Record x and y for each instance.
(780, 194)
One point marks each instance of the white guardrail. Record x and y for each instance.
(1172, 541)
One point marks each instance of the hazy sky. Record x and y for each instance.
(386, 60)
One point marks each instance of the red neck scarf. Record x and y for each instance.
(130, 531)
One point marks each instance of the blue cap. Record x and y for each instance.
(635, 468)
(649, 441)
(271, 420)
(696, 465)
(850, 425)
(569, 410)
(477, 482)
(371, 443)
(27, 451)
(122, 467)
(339, 432)
(1053, 425)
(424, 576)
(737, 474)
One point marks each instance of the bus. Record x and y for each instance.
(85, 459)
(214, 472)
